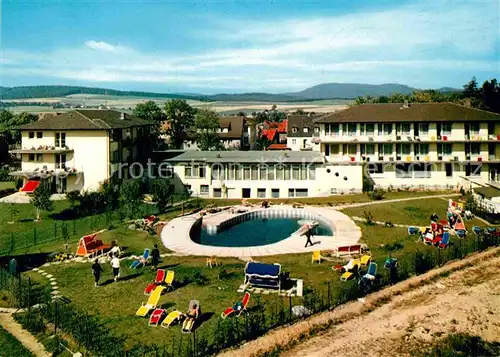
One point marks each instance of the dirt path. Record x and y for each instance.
(463, 301)
(23, 336)
(352, 205)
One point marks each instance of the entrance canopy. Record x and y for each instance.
(30, 186)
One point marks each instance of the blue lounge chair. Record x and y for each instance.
(391, 263)
(139, 263)
(460, 233)
(445, 241)
(263, 275)
(413, 230)
(372, 272)
(477, 229)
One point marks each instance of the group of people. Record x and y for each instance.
(115, 263)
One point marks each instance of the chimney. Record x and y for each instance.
(122, 116)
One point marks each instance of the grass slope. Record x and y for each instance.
(10, 346)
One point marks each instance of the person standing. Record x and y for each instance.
(308, 236)
(96, 271)
(155, 257)
(115, 264)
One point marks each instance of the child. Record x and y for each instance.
(96, 271)
(115, 264)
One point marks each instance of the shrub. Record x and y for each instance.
(73, 197)
(199, 278)
(390, 247)
(462, 344)
(377, 194)
(368, 217)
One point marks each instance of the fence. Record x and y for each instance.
(90, 334)
(64, 230)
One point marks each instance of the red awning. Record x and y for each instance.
(30, 186)
(277, 147)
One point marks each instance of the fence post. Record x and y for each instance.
(74, 227)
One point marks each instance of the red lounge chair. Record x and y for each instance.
(244, 303)
(160, 277)
(229, 311)
(436, 240)
(433, 226)
(156, 316)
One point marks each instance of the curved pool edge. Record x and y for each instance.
(176, 237)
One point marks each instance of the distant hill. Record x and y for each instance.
(321, 91)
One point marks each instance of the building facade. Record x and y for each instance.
(79, 150)
(301, 129)
(262, 174)
(432, 145)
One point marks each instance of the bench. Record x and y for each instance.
(348, 250)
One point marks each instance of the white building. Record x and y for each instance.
(263, 174)
(79, 150)
(301, 129)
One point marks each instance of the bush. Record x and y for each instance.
(73, 197)
(377, 194)
(462, 344)
(368, 217)
(199, 278)
(390, 247)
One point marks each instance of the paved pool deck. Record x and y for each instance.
(175, 235)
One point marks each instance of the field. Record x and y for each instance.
(11, 347)
(116, 303)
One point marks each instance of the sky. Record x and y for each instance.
(274, 46)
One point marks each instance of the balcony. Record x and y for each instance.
(42, 149)
(44, 173)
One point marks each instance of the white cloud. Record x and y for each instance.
(103, 46)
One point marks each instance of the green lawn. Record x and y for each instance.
(10, 346)
(4, 185)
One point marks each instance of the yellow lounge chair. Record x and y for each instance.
(365, 260)
(316, 257)
(169, 280)
(347, 276)
(152, 302)
(172, 317)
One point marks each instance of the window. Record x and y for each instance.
(385, 149)
(449, 169)
(403, 149)
(31, 157)
(263, 173)
(218, 172)
(403, 129)
(297, 192)
(275, 193)
(280, 170)
(350, 129)
(287, 173)
(61, 161)
(446, 129)
(217, 192)
(60, 140)
(403, 171)
(306, 130)
(421, 149)
(312, 172)
(474, 128)
(367, 129)
(303, 172)
(194, 171)
(423, 129)
(230, 172)
(444, 149)
(39, 157)
(295, 172)
(237, 173)
(204, 190)
(246, 192)
(295, 129)
(316, 129)
(349, 149)
(188, 171)
(475, 149)
(334, 149)
(473, 170)
(375, 169)
(332, 129)
(294, 141)
(39, 134)
(255, 172)
(369, 149)
(31, 134)
(270, 173)
(384, 129)
(201, 171)
(246, 172)
(422, 170)
(261, 193)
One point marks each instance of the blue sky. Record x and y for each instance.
(275, 46)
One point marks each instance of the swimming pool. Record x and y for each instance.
(256, 231)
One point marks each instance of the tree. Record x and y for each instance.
(13, 211)
(491, 95)
(207, 124)
(162, 192)
(149, 111)
(41, 199)
(180, 116)
(131, 196)
(10, 122)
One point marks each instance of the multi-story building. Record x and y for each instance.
(80, 149)
(233, 133)
(417, 145)
(300, 133)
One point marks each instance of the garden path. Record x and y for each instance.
(23, 336)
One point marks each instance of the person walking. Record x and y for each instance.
(115, 264)
(96, 271)
(155, 257)
(308, 236)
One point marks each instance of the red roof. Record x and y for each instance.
(277, 147)
(283, 126)
(269, 134)
(30, 186)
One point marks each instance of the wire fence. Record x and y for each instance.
(92, 337)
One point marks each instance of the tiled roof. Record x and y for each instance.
(418, 112)
(282, 127)
(86, 120)
(269, 133)
(277, 147)
(298, 123)
(236, 156)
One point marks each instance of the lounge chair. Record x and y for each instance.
(169, 280)
(391, 263)
(352, 264)
(156, 316)
(151, 303)
(412, 230)
(372, 272)
(173, 317)
(228, 312)
(244, 304)
(348, 275)
(445, 241)
(477, 229)
(365, 260)
(188, 324)
(237, 308)
(139, 263)
(316, 257)
(460, 233)
(160, 277)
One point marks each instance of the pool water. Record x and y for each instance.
(257, 232)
